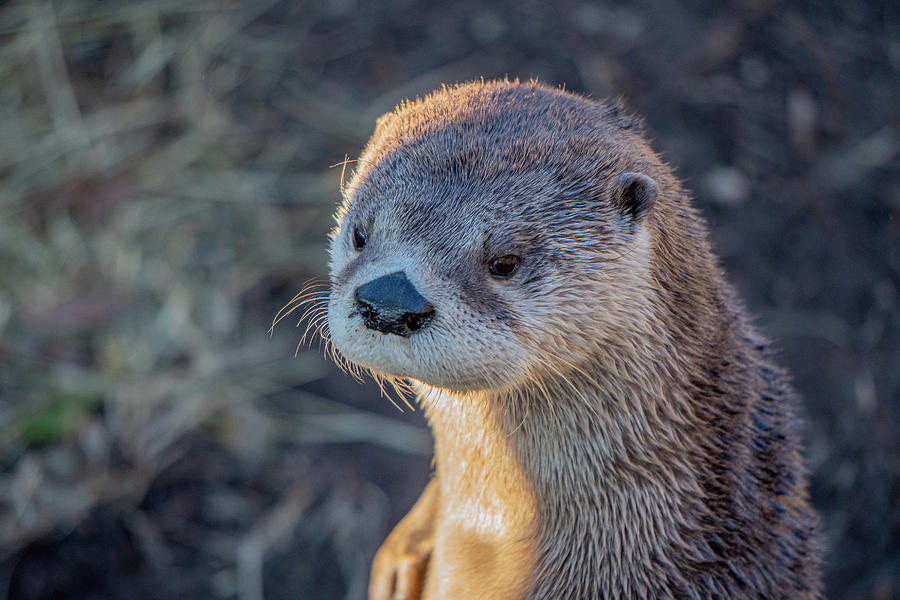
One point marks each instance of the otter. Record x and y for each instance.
(607, 422)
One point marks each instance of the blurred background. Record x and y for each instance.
(167, 179)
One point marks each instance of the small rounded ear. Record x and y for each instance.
(633, 196)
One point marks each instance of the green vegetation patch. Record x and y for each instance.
(50, 424)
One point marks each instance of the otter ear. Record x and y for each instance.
(633, 196)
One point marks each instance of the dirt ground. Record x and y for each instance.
(166, 184)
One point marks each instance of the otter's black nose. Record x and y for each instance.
(390, 304)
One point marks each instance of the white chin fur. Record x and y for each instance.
(435, 356)
(384, 353)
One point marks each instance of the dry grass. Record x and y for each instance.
(158, 206)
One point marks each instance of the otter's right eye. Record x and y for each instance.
(504, 266)
(359, 240)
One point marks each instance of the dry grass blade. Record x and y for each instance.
(272, 528)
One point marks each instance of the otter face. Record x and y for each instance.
(422, 306)
(474, 253)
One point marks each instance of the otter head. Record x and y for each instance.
(492, 233)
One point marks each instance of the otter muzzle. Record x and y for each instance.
(391, 304)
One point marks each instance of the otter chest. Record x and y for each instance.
(485, 538)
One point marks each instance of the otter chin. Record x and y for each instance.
(607, 422)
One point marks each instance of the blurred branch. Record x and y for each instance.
(49, 505)
(320, 420)
(268, 531)
(51, 65)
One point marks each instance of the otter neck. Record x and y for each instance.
(601, 465)
(475, 458)
(613, 483)
(488, 510)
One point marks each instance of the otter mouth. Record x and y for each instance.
(391, 304)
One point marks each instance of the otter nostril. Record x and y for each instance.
(417, 320)
(363, 306)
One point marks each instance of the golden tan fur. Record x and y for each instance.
(607, 423)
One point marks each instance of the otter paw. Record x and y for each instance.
(398, 576)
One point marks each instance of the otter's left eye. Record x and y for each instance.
(505, 266)
(359, 240)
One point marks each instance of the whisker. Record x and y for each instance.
(379, 379)
(400, 387)
(528, 401)
(314, 313)
(312, 289)
(313, 325)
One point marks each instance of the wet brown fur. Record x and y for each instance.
(638, 436)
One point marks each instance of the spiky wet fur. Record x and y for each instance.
(658, 439)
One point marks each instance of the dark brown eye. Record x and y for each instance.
(504, 266)
(359, 240)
